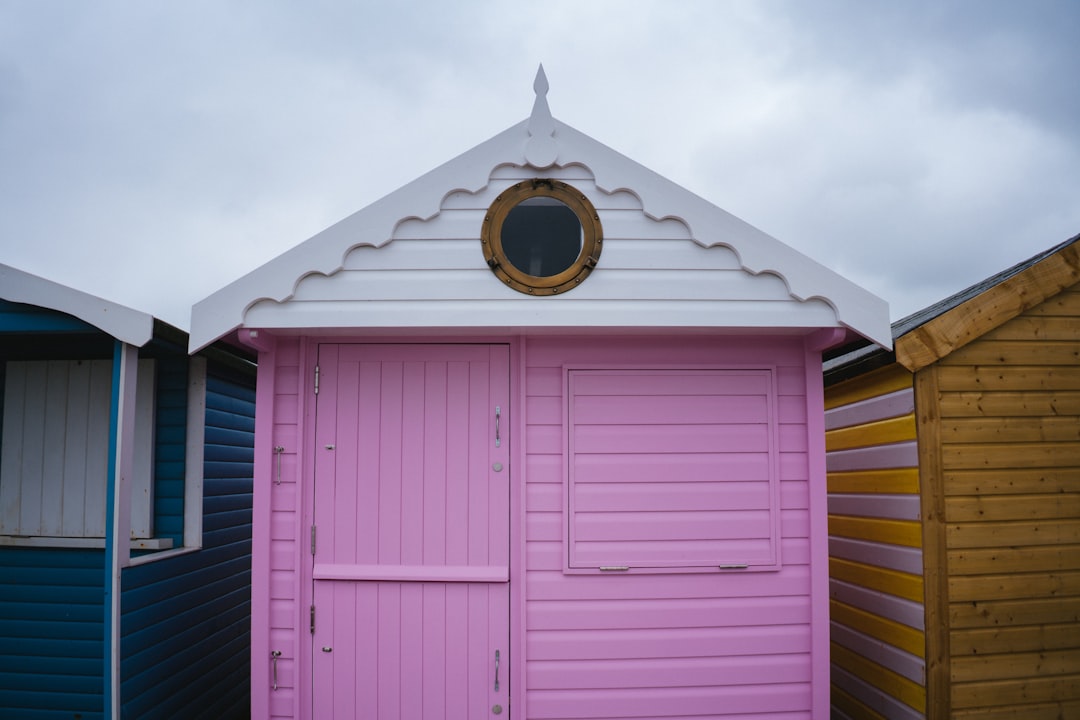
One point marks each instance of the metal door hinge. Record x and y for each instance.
(316, 379)
(312, 539)
(312, 619)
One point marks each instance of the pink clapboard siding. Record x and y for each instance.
(277, 593)
(666, 639)
(708, 644)
(671, 468)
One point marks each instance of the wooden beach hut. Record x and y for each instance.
(540, 435)
(125, 512)
(954, 501)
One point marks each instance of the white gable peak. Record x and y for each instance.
(421, 263)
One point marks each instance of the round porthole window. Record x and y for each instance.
(541, 237)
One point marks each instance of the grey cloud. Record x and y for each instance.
(151, 152)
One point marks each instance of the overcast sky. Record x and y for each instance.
(152, 152)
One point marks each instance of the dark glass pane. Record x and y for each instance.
(541, 237)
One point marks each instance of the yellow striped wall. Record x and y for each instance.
(875, 548)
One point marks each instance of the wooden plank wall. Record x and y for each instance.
(185, 619)
(875, 548)
(1010, 460)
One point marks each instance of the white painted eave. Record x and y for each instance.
(127, 325)
(855, 308)
(223, 311)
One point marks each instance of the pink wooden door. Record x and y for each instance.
(412, 515)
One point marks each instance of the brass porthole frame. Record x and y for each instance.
(591, 243)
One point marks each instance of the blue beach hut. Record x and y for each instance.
(125, 512)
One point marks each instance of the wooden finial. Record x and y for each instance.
(541, 150)
(540, 84)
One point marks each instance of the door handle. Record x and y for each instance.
(496, 671)
(498, 417)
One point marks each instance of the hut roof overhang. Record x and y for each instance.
(273, 296)
(926, 336)
(120, 322)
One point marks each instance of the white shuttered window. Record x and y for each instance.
(55, 446)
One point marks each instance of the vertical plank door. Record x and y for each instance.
(412, 515)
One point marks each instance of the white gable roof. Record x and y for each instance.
(413, 258)
(123, 323)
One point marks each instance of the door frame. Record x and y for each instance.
(303, 640)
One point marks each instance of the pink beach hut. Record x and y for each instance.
(540, 435)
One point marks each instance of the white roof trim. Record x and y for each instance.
(127, 325)
(530, 143)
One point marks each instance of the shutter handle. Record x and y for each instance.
(278, 449)
(274, 655)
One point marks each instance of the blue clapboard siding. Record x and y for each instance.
(186, 639)
(51, 633)
(170, 437)
(52, 648)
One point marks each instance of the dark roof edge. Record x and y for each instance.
(916, 319)
(225, 354)
(856, 362)
(856, 359)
